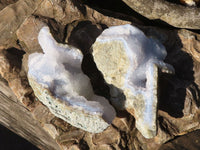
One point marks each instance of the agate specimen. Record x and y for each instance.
(59, 83)
(130, 61)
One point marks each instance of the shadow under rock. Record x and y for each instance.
(119, 9)
(173, 87)
(189, 141)
(14, 57)
(82, 37)
(10, 141)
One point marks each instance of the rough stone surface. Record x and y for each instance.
(170, 117)
(171, 13)
(178, 107)
(69, 11)
(129, 61)
(189, 141)
(60, 84)
(27, 34)
(178, 111)
(4, 3)
(17, 80)
(11, 17)
(191, 43)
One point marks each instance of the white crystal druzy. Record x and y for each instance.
(129, 61)
(58, 81)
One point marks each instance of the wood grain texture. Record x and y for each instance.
(18, 119)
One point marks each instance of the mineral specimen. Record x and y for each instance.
(59, 83)
(129, 61)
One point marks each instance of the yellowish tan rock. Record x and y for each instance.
(129, 62)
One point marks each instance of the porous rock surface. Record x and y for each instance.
(129, 61)
(178, 109)
(59, 83)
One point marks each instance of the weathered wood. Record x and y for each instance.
(18, 119)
